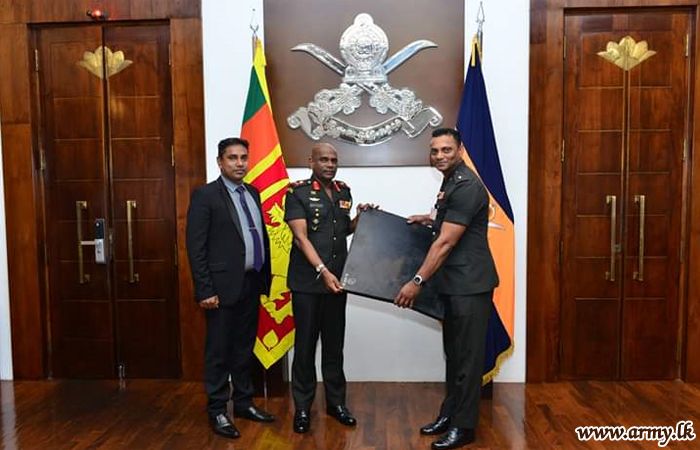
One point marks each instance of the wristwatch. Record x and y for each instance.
(320, 268)
(418, 280)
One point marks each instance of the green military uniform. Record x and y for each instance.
(316, 310)
(465, 283)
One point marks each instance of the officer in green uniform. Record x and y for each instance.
(465, 283)
(318, 213)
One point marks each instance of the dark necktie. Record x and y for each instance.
(257, 245)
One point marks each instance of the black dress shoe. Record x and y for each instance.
(223, 426)
(342, 415)
(302, 421)
(439, 426)
(254, 413)
(454, 438)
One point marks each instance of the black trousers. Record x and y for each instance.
(316, 314)
(228, 352)
(464, 337)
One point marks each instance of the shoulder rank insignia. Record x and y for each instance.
(296, 184)
(300, 183)
(441, 195)
(341, 184)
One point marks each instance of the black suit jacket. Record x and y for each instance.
(215, 244)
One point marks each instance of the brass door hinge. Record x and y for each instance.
(172, 155)
(687, 45)
(563, 150)
(685, 149)
(42, 160)
(564, 46)
(170, 55)
(36, 60)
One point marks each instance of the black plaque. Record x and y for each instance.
(385, 253)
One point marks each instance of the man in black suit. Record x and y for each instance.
(229, 254)
(465, 283)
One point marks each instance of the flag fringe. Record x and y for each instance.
(488, 377)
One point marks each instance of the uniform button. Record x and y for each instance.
(334, 221)
(334, 238)
(333, 256)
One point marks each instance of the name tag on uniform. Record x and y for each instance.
(314, 199)
(315, 205)
(344, 204)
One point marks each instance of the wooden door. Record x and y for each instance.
(142, 189)
(106, 136)
(75, 175)
(623, 154)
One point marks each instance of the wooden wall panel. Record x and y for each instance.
(544, 181)
(692, 329)
(52, 11)
(544, 188)
(14, 54)
(20, 211)
(190, 172)
(22, 256)
(14, 11)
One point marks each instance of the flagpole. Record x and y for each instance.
(479, 37)
(254, 26)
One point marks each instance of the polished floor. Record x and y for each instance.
(169, 415)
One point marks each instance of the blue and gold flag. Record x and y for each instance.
(475, 126)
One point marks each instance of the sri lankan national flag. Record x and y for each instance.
(475, 126)
(269, 175)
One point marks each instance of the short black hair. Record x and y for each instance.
(448, 131)
(225, 143)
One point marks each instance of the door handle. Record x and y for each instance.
(612, 201)
(130, 206)
(81, 205)
(639, 273)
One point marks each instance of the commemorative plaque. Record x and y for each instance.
(385, 253)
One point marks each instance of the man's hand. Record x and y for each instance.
(210, 303)
(365, 206)
(407, 295)
(331, 282)
(361, 207)
(423, 219)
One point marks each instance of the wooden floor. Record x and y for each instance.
(170, 415)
